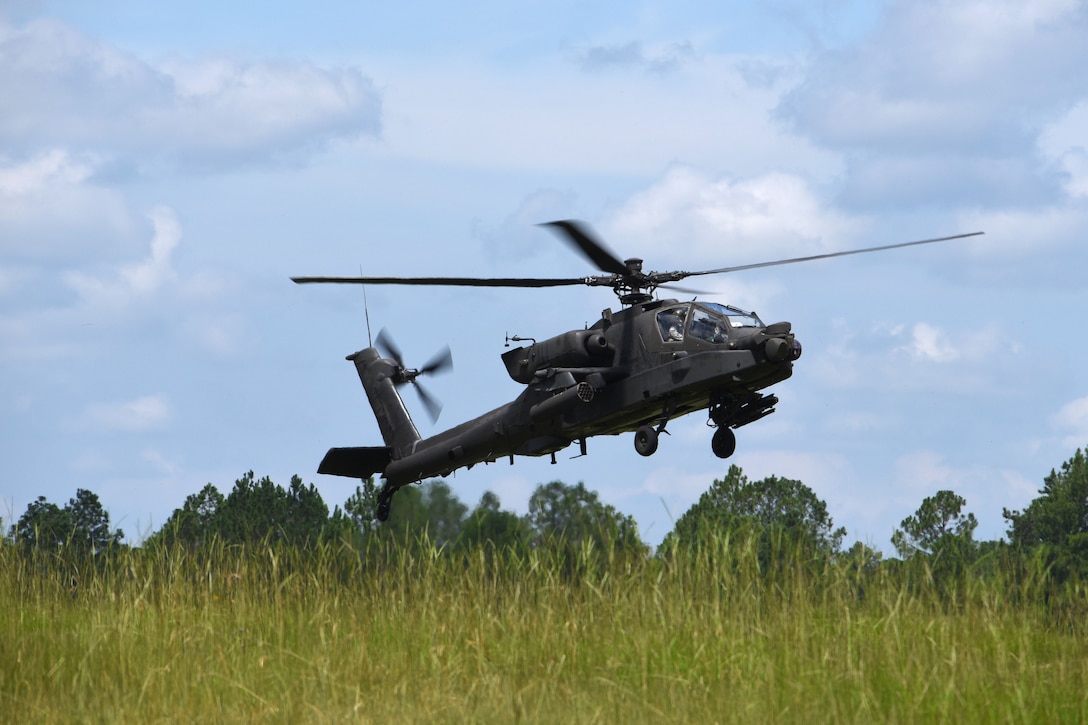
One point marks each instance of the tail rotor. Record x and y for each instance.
(441, 362)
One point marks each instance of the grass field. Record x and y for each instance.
(281, 635)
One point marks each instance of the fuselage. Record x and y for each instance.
(641, 366)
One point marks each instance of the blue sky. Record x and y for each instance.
(164, 171)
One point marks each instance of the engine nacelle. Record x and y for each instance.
(578, 348)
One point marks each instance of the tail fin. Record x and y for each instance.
(380, 378)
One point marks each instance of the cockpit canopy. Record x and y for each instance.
(707, 321)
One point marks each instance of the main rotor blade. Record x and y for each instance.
(581, 236)
(813, 257)
(685, 290)
(446, 281)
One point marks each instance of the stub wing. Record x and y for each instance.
(356, 462)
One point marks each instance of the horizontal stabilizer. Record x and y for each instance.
(359, 462)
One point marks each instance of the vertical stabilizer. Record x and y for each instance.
(380, 378)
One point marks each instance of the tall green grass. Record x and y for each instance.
(286, 635)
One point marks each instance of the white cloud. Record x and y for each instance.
(1073, 418)
(723, 221)
(135, 281)
(64, 87)
(51, 208)
(518, 236)
(1023, 236)
(930, 343)
(222, 334)
(676, 485)
(150, 274)
(944, 100)
(964, 74)
(963, 361)
(54, 314)
(150, 412)
(1075, 163)
(41, 171)
(1065, 140)
(243, 109)
(549, 116)
(658, 58)
(159, 461)
(923, 473)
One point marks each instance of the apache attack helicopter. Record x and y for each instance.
(633, 370)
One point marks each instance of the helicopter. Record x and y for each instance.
(634, 370)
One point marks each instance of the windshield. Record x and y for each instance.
(703, 321)
(736, 317)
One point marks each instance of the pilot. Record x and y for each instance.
(672, 325)
(707, 329)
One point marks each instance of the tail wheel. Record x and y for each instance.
(385, 499)
(724, 442)
(646, 440)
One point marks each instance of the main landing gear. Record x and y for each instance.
(724, 442)
(646, 436)
(646, 440)
(727, 412)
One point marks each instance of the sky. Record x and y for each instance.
(164, 171)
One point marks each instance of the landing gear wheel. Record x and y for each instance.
(724, 442)
(646, 440)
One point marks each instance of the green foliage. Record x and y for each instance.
(254, 511)
(492, 617)
(488, 526)
(278, 632)
(445, 514)
(567, 516)
(362, 507)
(780, 516)
(937, 544)
(430, 510)
(44, 526)
(937, 527)
(1054, 526)
(81, 528)
(430, 515)
(195, 522)
(862, 556)
(1061, 510)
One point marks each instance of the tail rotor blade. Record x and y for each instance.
(385, 343)
(431, 403)
(440, 363)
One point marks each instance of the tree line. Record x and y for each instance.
(781, 518)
